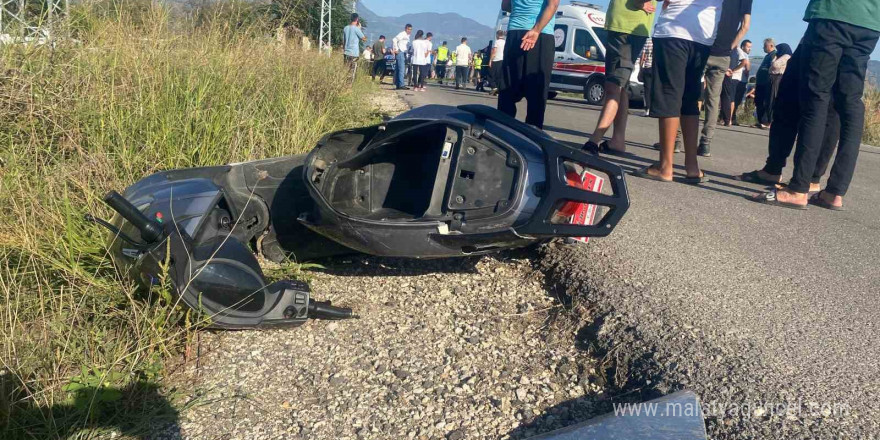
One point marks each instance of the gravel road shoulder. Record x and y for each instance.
(444, 349)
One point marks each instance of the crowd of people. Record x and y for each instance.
(694, 62)
(416, 59)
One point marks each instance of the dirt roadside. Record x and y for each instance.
(476, 348)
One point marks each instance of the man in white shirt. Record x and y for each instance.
(400, 44)
(421, 60)
(463, 55)
(496, 61)
(683, 35)
(739, 63)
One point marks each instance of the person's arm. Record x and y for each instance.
(492, 56)
(505, 5)
(394, 44)
(361, 33)
(647, 6)
(531, 37)
(743, 30)
(742, 64)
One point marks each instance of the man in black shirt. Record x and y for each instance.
(736, 16)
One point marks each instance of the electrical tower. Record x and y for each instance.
(17, 21)
(324, 39)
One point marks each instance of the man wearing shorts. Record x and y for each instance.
(683, 37)
(628, 24)
(528, 57)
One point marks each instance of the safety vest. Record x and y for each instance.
(454, 56)
(442, 53)
(478, 63)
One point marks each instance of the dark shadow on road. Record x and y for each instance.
(567, 131)
(138, 410)
(473, 94)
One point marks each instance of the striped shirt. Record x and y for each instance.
(648, 53)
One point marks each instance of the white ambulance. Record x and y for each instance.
(579, 64)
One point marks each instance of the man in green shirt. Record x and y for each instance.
(629, 26)
(379, 58)
(840, 38)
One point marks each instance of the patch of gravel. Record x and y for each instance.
(387, 103)
(444, 349)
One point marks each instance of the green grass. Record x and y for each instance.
(872, 116)
(83, 352)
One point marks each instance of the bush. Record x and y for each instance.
(83, 348)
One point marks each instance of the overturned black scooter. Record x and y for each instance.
(435, 182)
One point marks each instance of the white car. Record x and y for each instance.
(580, 53)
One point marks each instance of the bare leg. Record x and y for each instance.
(609, 112)
(618, 138)
(668, 131)
(690, 130)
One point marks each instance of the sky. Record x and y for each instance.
(778, 19)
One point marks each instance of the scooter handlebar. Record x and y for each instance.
(150, 230)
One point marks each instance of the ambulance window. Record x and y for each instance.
(560, 34)
(585, 45)
(602, 35)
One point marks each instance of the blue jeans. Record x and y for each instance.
(400, 70)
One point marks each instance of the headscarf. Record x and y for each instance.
(783, 49)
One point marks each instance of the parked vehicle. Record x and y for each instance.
(580, 53)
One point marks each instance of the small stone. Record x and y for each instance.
(457, 434)
(401, 374)
(521, 394)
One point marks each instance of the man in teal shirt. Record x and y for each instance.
(528, 57)
(351, 39)
(840, 38)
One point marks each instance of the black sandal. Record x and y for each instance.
(817, 200)
(643, 173)
(695, 180)
(754, 177)
(769, 198)
(593, 148)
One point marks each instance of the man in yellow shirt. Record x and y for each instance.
(442, 56)
(629, 26)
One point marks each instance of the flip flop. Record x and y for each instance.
(816, 200)
(643, 173)
(754, 177)
(769, 198)
(603, 148)
(695, 180)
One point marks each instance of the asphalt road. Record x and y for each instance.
(770, 314)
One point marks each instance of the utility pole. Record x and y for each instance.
(324, 39)
(14, 17)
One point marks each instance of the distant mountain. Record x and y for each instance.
(448, 27)
(874, 71)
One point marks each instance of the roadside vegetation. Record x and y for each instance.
(872, 115)
(138, 88)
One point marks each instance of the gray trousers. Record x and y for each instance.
(716, 69)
